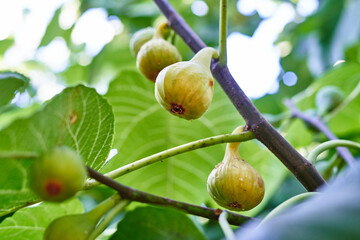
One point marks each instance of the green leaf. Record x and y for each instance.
(143, 128)
(156, 223)
(78, 117)
(10, 84)
(298, 135)
(30, 223)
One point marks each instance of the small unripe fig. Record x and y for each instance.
(139, 38)
(156, 54)
(327, 99)
(79, 226)
(234, 184)
(186, 89)
(58, 174)
(70, 227)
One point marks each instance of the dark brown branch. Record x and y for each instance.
(139, 196)
(303, 170)
(321, 126)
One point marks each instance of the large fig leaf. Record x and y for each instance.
(78, 117)
(157, 224)
(30, 223)
(143, 128)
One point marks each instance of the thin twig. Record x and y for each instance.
(330, 144)
(139, 196)
(108, 218)
(303, 170)
(202, 143)
(321, 126)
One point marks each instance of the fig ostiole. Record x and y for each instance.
(186, 89)
(233, 183)
(156, 54)
(58, 174)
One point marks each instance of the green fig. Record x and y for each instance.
(234, 184)
(58, 174)
(156, 54)
(327, 99)
(139, 38)
(79, 226)
(71, 227)
(186, 89)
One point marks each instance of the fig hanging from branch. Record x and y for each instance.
(186, 89)
(234, 184)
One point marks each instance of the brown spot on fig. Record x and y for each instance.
(235, 205)
(178, 109)
(53, 187)
(73, 117)
(211, 83)
(260, 182)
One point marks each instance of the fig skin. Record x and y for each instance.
(154, 56)
(70, 227)
(139, 38)
(186, 89)
(234, 184)
(327, 99)
(58, 174)
(157, 54)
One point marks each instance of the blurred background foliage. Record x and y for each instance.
(321, 48)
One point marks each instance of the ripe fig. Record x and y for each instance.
(186, 89)
(139, 38)
(234, 184)
(58, 174)
(327, 99)
(79, 226)
(156, 54)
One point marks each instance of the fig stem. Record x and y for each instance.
(286, 204)
(321, 126)
(135, 195)
(331, 144)
(100, 210)
(159, 32)
(204, 57)
(120, 206)
(224, 224)
(223, 32)
(206, 142)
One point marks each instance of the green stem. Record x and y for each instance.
(108, 218)
(19, 155)
(100, 210)
(288, 203)
(331, 144)
(244, 136)
(229, 234)
(223, 33)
